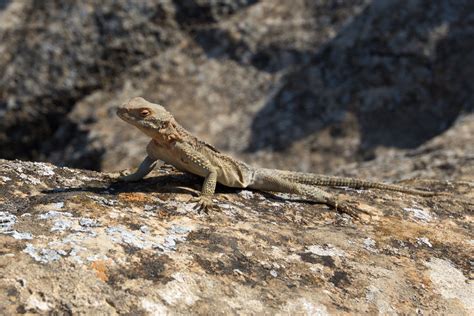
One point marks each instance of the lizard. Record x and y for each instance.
(173, 144)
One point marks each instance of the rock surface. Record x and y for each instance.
(307, 85)
(75, 241)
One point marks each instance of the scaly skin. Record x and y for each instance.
(171, 143)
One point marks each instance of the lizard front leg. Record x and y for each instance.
(204, 201)
(205, 168)
(145, 168)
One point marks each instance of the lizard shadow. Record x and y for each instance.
(181, 183)
(294, 199)
(166, 184)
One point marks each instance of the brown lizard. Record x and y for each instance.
(171, 143)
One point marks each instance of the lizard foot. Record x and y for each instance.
(203, 203)
(349, 209)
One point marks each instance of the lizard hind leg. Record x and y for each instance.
(271, 182)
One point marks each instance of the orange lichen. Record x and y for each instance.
(133, 197)
(100, 267)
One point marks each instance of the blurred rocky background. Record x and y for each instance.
(302, 84)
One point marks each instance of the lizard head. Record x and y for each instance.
(150, 118)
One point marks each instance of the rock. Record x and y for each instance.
(140, 248)
(386, 81)
(307, 85)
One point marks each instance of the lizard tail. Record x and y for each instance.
(322, 180)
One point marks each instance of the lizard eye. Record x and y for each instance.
(144, 113)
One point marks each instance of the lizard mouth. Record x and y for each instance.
(123, 114)
(126, 116)
(121, 111)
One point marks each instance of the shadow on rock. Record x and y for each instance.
(162, 184)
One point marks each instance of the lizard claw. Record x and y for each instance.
(203, 203)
